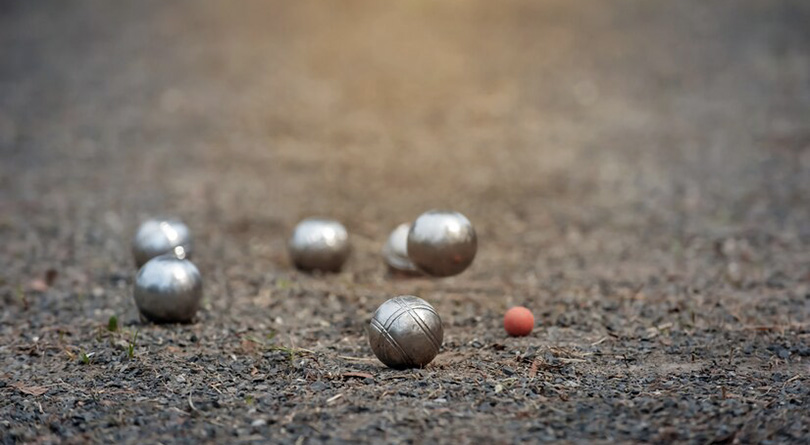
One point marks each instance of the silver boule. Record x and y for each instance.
(405, 332)
(442, 243)
(395, 251)
(168, 290)
(319, 244)
(161, 236)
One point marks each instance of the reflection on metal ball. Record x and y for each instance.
(395, 251)
(405, 332)
(319, 244)
(168, 290)
(442, 243)
(161, 236)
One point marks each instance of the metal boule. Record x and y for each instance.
(395, 251)
(159, 237)
(319, 244)
(442, 243)
(405, 332)
(168, 290)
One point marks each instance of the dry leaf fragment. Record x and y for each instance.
(533, 369)
(361, 375)
(30, 390)
(38, 285)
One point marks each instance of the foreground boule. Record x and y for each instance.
(405, 332)
(168, 290)
(319, 244)
(442, 243)
(161, 236)
(395, 251)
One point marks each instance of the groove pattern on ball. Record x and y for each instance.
(405, 332)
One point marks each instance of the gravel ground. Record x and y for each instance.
(638, 173)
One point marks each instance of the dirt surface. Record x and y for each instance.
(638, 173)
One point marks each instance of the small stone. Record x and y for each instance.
(734, 273)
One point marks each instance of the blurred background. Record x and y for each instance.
(619, 123)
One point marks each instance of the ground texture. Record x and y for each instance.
(638, 173)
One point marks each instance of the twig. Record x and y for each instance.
(357, 359)
(533, 370)
(600, 341)
(174, 408)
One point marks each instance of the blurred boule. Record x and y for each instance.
(442, 243)
(159, 237)
(395, 251)
(319, 244)
(168, 290)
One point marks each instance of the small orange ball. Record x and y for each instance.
(518, 321)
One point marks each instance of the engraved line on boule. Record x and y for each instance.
(401, 311)
(393, 318)
(420, 304)
(421, 323)
(426, 308)
(416, 306)
(379, 327)
(393, 342)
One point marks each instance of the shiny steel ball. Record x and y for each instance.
(395, 251)
(405, 332)
(161, 236)
(442, 243)
(168, 290)
(319, 244)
